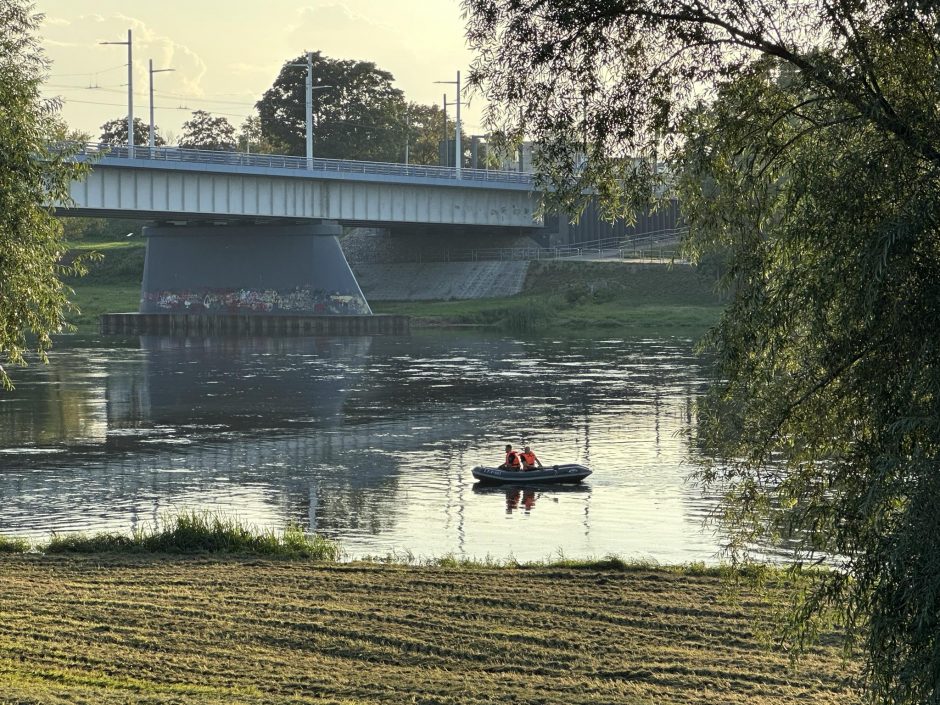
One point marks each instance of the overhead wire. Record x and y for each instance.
(168, 94)
(88, 73)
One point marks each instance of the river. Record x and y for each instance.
(369, 441)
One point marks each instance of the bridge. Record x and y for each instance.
(193, 185)
(257, 233)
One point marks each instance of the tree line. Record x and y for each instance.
(357, 113)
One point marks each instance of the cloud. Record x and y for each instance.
(419, 44)
(342, 33)
(103, 61)
(239, 68)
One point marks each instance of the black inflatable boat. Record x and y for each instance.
(570, 472)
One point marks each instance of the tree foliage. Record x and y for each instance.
(251, 138)
(204, 131)
(358, 116)
(114, 132)
(32, 177)
(425, 126)
(804, 142)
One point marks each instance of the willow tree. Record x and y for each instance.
(33, 175)
(804, 142)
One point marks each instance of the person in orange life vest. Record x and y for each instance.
(513, 461)
(529, 461)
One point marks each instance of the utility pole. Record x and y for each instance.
(153, 133)
(458, 162)
(130, 92)
(407, 132)
(308, 105)
(309, 108)
(458, 156)
(445, 129)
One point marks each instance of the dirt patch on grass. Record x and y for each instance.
(156, 630)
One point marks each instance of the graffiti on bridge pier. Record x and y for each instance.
(298, 300)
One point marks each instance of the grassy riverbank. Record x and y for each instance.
(113, 282)
(561, 297)
(558, 297)
(127, 628)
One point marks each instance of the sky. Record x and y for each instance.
(226, 53)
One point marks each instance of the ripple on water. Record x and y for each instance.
(351, 440)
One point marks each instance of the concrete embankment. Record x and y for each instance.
(440, 281)
(210, 324)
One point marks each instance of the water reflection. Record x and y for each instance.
(366, 440)
(525, 497)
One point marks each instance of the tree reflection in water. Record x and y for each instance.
(360, 439)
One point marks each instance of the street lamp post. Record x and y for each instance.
(457, 142)
(457, 155)
(153, 134)
(407, 133)
(130, 92)
(309, 105)
(445, 127)
(309, 110)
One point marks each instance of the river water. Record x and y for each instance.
(369, 441)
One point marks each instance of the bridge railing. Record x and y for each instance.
(282, 161)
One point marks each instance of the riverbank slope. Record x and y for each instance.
(110, 629)
(556, 297)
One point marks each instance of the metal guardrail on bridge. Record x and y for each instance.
(281, 161)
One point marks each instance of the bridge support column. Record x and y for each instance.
(254, 269)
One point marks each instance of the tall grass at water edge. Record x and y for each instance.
(192, 533)
(13, 545)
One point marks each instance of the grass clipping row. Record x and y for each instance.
(205, 611)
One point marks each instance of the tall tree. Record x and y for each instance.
(425, 133)
(356, 110)
(114, 132)
(251, 138)
(204, 131)
(805, 142)
(32, 177)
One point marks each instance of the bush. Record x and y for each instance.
(532, 316)
(577, 293)
(200, 532)
(13, 545)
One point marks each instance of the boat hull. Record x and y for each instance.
(570, 472)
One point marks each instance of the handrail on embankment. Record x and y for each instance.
(658, 246)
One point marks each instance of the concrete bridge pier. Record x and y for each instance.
(263, 269)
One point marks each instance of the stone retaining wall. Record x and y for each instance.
(431, 281)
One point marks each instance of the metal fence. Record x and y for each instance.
(280, 161)
(661, 245)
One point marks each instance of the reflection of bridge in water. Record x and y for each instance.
(351, 437)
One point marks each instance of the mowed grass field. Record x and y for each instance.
(141, 629)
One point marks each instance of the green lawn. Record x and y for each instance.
(94, 299)
(579, 296)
